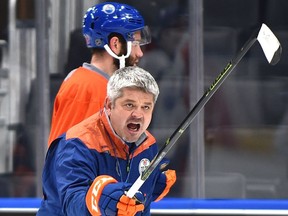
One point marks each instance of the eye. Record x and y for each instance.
(147, 107)
(129, 105)
(135, 43)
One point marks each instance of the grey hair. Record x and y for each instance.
(131, 77)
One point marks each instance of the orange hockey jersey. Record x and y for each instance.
(81, 95)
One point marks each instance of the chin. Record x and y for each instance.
(131, 140)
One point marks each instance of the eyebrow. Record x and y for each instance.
(130, 100)
(138, 34)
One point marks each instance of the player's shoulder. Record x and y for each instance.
(84, 75)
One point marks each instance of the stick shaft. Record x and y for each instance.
(192, 114)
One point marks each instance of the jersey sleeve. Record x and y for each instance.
(76, 168)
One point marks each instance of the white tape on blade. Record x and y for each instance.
(268, 42)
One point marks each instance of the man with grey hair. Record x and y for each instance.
(89, 168)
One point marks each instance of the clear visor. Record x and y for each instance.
(142, 37)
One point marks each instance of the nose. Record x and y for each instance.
(137, 113)
(138, 52)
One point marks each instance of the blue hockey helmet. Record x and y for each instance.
(110, 17)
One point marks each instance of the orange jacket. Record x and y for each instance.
(81, 94)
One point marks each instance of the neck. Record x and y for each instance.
(104, 62)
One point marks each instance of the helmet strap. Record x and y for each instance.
(121, 58)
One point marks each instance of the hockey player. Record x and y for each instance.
(89, 168)
(114, 32)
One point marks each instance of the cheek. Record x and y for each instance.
(117, 114)
(133, 52)
(148, 118)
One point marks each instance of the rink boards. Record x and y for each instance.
(171, 206)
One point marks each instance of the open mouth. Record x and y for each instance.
(133, 127)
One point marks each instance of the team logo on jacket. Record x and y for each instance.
(143, 164)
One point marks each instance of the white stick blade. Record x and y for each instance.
(270, 44)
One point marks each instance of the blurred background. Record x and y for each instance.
(237, 145)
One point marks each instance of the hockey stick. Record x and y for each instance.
(272, 50)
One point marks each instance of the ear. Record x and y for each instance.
(115, 45)
(108, 105)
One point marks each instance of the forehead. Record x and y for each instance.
(136, 94)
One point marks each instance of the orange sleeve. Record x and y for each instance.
(170, 180)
